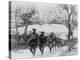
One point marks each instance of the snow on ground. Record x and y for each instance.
(60, 30)
(46, 51)
(70, 53)
(25, 53)
(21, 54)
(38, 53)
(56, 28)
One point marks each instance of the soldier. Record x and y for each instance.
(50, 41)
(25, 38)
(33, 41)
(58, 41)
(42, 41)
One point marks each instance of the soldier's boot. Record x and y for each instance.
(69, 49)
(41, 51)
(32, 51)
(53, 48)
(50, 49)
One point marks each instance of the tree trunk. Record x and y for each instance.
(25, 32)
(69, 28)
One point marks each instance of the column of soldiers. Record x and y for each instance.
(34, 40)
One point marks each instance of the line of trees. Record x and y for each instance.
(71, 10)
(31, 16)
(69, 18)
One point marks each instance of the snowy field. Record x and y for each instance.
(25, 53)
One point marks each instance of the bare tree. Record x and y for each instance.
(65, 15)
(56, 16)
(70, 9)
(24, 19)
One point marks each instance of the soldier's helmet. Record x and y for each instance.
(42, 32)
(52, 34)
(34, 29)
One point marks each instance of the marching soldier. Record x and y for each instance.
(50, 41)
(33, 41)
(42, 42)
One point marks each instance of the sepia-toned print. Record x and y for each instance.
(42, 29)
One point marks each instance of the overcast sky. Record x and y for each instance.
(43, 8)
